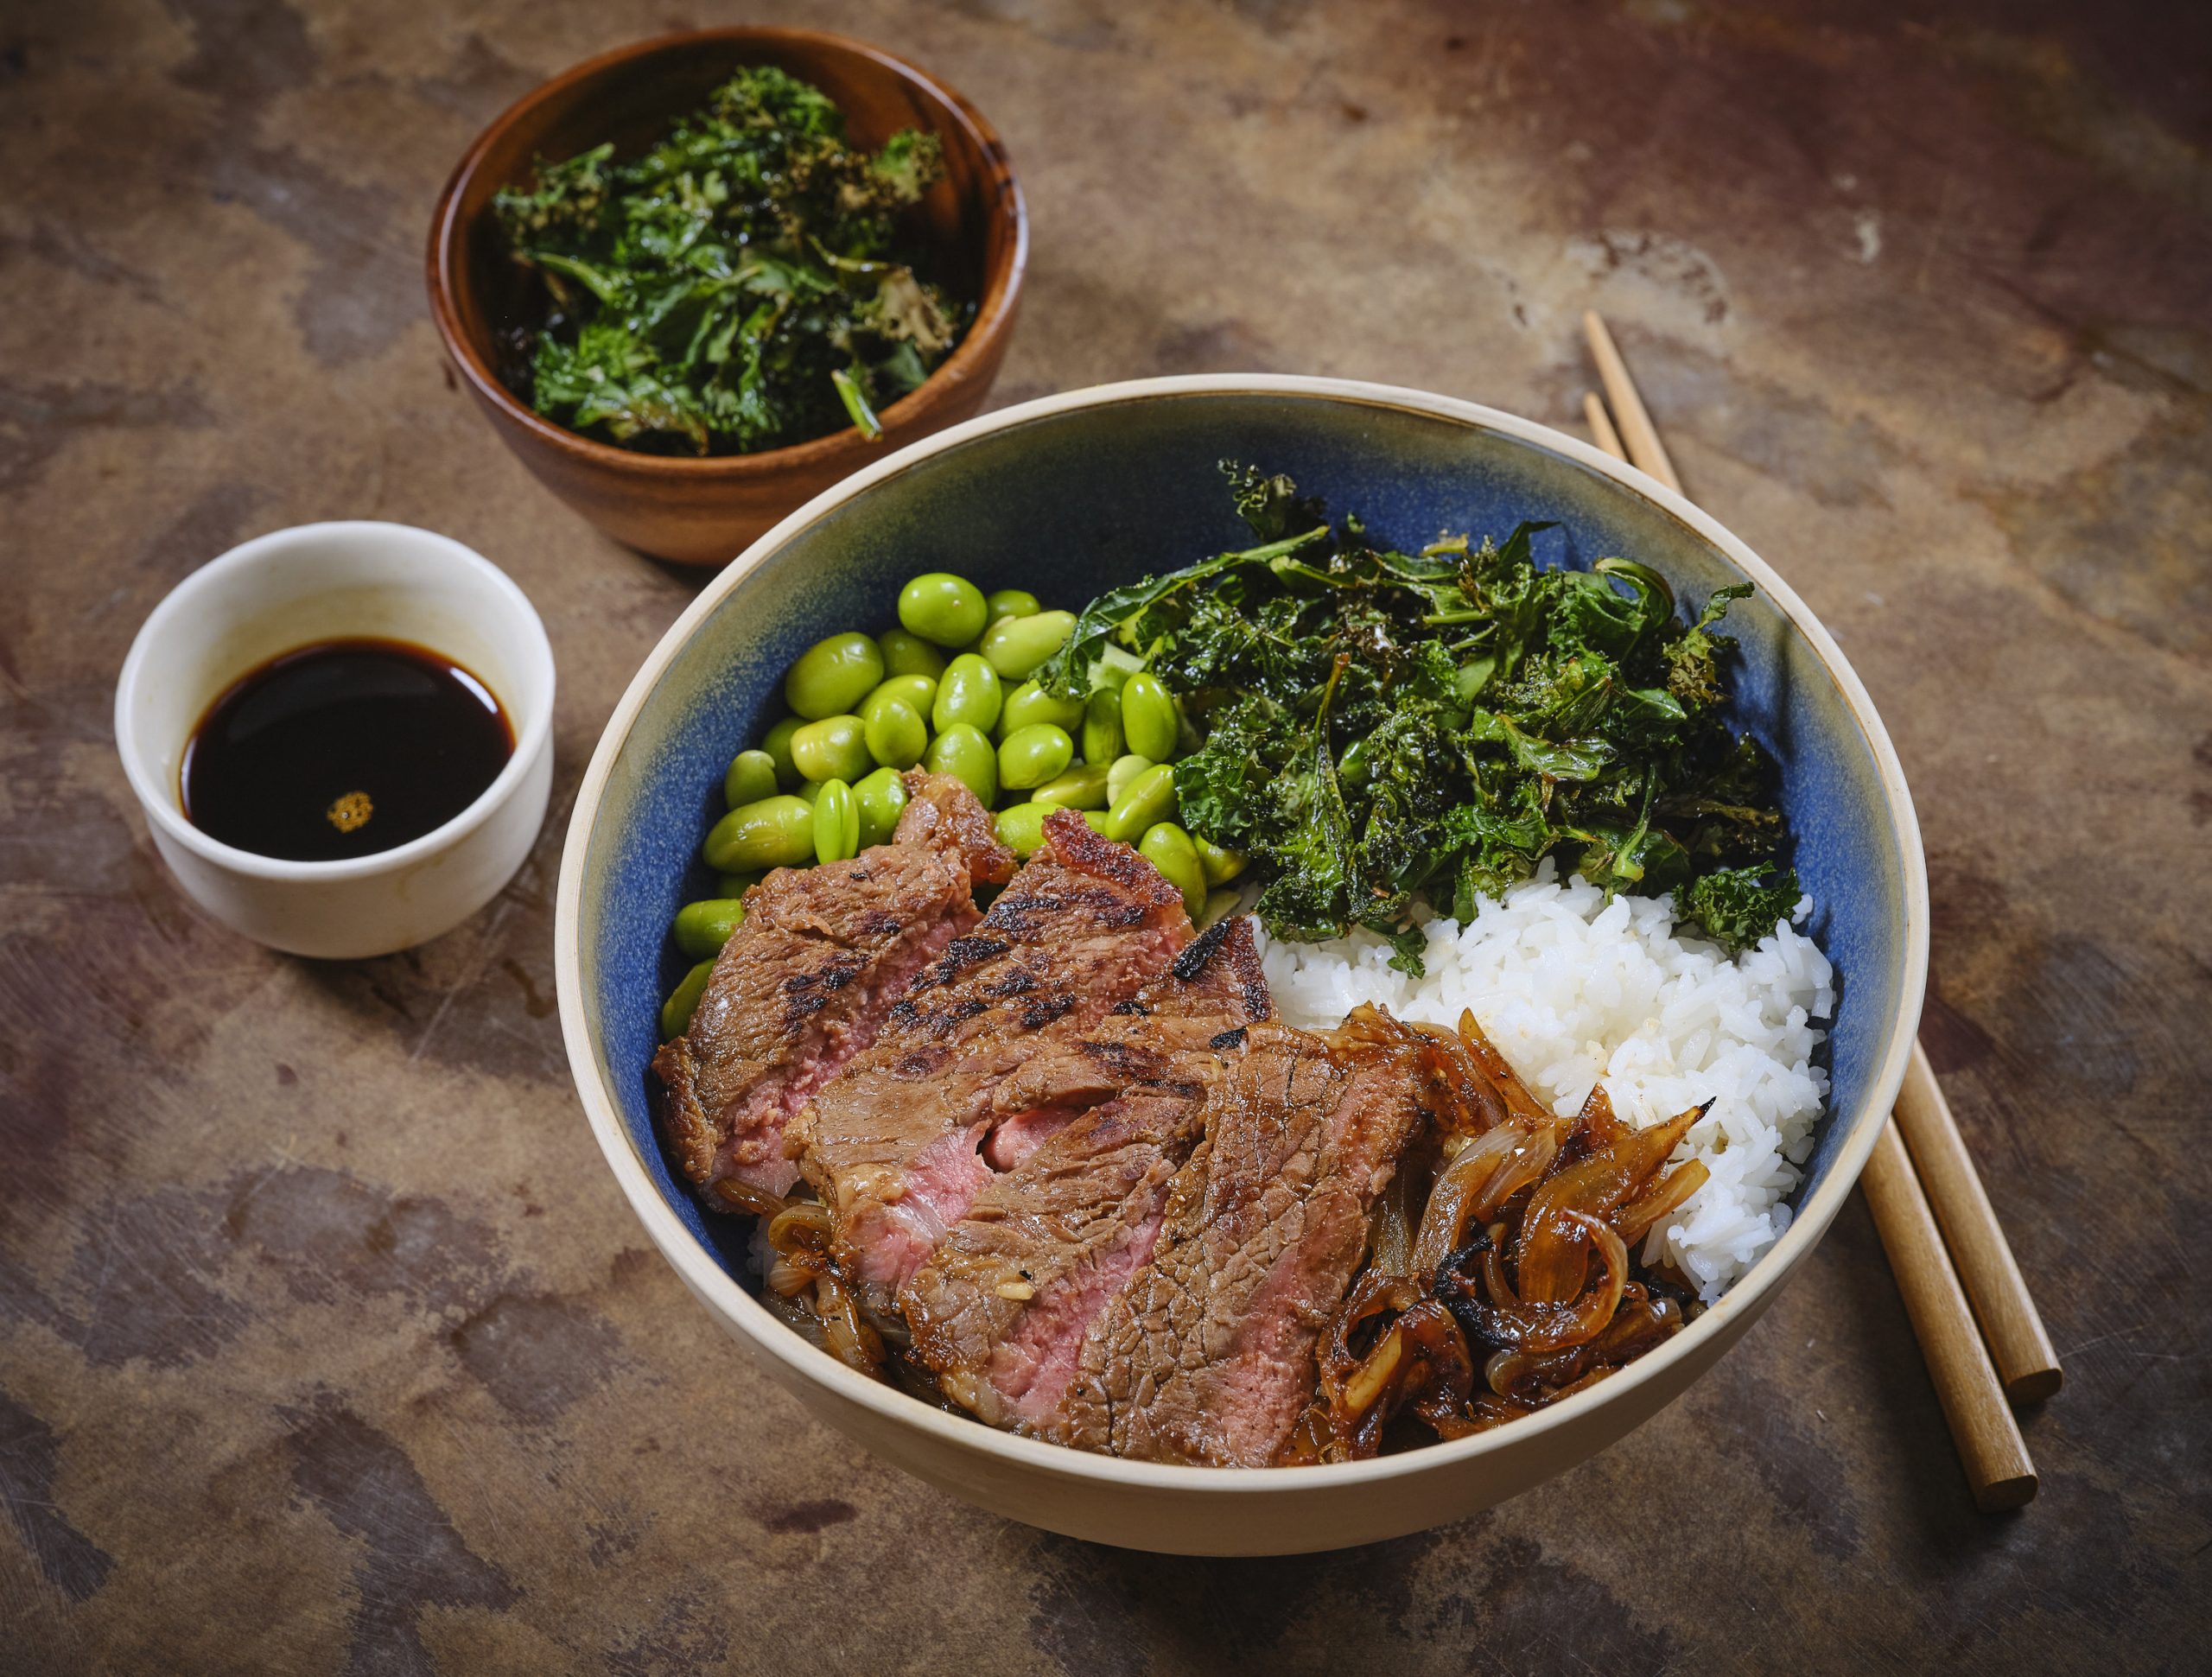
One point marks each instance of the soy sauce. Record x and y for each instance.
(343, 748)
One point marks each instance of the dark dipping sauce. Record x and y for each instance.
(343, 748)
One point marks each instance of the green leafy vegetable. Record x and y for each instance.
(739, 286)
(1379, 727)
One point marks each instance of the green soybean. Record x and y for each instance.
(969, 692)
(676, 1011)
(1031, 702)
(832, 675)
(836, 823)
(1022, 827)
(1010, 602)
(752, 776)
(734, 884)
(961, 752)
(1146, 801)
(1015, 647)
(1031, 756)
(1149, 719)
(778, 744)
(1123, 771)
(808, 792)
(1095, 820)
(1082, 787)
(944, 608)
(882, 800)
(834, 748)
(1102, 738)
(776, 832)
(1168, 847)
(917, 692)
(896, 734)
(702, 928)
(908, 654)
(1221, 866)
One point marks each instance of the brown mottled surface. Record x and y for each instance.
(327, 1344)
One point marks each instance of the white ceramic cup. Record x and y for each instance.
(318, 583)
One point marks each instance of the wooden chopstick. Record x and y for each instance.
(1645, 451)
(1601, 425)
(1966, 1383)
(2026, 1361)
(1988, 1438)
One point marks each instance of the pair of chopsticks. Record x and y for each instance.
(1952, 1264)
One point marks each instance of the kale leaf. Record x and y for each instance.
(739, 286)
(1381, 729)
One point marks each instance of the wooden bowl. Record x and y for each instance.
(703, 510)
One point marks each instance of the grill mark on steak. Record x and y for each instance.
(805, 983)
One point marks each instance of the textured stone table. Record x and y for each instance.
(326, 1343)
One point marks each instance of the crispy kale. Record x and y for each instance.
(1378, 727)
(739, 286)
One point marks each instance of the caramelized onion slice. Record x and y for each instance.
(1538, 1327)
(1554, 1255)
(1661, 1200)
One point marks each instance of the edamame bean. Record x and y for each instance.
(834, 748)
(961, 752)
(1102, 740)
(1095, 820)
(1146, 801)
(1221, 866)
(776, 832)
(836, 823)
(919, 693)
(752, 776)
(1031, 702)
(940, 606)
(969, 692)
(734, 884)
(832, 675)
(1124, 770)
(702, 928)
(1149, 719)
(896, 734)
(1010, 602)
(1168, 847)
(1033, 755)
(882, 798)
(1015, 647)
(808, 792)
(1082, 787)
(676, 1011)
(1022, 827)
(778, 744)
(908, 654)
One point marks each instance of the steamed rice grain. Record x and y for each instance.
(1572, 988)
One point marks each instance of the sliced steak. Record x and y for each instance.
(1207, 1355)
(892, 1145)
(806, 982)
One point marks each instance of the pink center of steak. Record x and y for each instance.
(1033, 1366)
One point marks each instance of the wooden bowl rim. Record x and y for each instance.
(994, 310)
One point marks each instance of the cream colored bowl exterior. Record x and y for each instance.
(312, 583)
(1193, 1510)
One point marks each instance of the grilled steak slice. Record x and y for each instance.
(1207, 1355)
(805, 982)
(892, 1145)
(1101, 1117)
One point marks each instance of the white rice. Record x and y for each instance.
(1572, 988)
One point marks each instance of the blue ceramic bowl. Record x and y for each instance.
(1071, 495)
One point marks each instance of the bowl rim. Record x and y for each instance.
(745, 1314)
(532, 737)
(995, 309)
